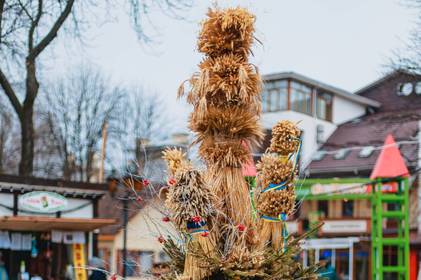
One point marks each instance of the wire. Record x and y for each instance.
(374, 147)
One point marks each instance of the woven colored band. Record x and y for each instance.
(194, 225)
(281, 218)
(275, 187)
(196, 231)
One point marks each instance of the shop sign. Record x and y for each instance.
(352, 188)
(79, 261)
(42, 202)
(345, 226)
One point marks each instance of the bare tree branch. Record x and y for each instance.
(53, 31)
(10, 93)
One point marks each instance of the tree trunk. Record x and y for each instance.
(26, 164)
(27, 142)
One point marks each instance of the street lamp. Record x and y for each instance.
(130, 183)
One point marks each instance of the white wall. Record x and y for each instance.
(345, 110)
(307, 123)
(142, 233)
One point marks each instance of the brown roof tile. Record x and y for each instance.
(370, 130)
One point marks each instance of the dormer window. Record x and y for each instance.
(341, 154)
(366, 152)
(319, 155)
(418, 88)
(404, 89)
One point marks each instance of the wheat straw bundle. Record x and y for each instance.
(225, 94)
(223, 82)
(276, 174)
(285, 138)
(175, 159)
(192, 207)
(228, 31)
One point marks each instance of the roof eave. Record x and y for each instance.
(340, 92)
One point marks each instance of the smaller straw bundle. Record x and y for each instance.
(191, 204)
(285, 138)
(276, 174)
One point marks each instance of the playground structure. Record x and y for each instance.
(388, 186)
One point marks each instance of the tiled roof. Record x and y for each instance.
(369, 130)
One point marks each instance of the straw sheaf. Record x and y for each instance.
(285, 136)
(273, 203)
(227, 31)
(190, 197)
(175, 159)
(225, 81)
(274, 169)
(225, 154)
(244, 262)
(233, 123)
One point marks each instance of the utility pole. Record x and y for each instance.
(103, 151)
(125, 222)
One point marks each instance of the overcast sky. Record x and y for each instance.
(342, 43)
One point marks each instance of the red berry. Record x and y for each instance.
(196, 219)
(145, 182)
(205, 234)
(172, 182)
(166, 219)
(241, 227)
(161, 239)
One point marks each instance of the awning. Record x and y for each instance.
(33, 223)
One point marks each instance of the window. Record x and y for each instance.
(341, 154)
(366, 152)
(324, 106)
(146, 261)
(138, 262)
(323, 208)
(275, 96)
(320, 134)
(105, 255)
(348, 208)
(418, 88)
(300, 98)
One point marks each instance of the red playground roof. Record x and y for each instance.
(390, 162)
(249, 169)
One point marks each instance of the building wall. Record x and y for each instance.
(142, 235)
(307, 123)
(345, 110)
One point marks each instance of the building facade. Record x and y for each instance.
(48, 227)
(318, 107)
(340, 160)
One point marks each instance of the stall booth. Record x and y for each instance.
(48, 227)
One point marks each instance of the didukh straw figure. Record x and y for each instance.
(275, 198)
(225, 95)
(191, 204)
